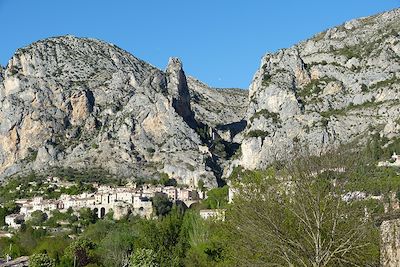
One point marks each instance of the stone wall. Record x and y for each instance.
(390, 243)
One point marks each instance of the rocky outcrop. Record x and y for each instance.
(390, 243)
(178, 90)
(83, 103)
(339, 86)
(217, 106)
(75, 102)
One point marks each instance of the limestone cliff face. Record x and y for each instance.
(390, 243)
(331, 89)
(179, 91)
(75, 102)
(82, 103)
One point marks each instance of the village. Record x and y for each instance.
(119, 201)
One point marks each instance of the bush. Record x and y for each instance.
(37, 218)
(266, 79)
(217, 198)
(144, 258)
(266, 114)
(41, 260)
(257, 133)
(162, 205)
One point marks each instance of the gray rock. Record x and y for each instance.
(83, 103)
(331, 89)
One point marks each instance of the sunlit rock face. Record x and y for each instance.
(339, 86)
(83, 103)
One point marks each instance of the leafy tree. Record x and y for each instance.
(10, 247)
(164, 177)
(200, 185)
(87, 216)
(98, 231)
(3, 214)
(110, 215)
(38, 217)
(115, 248)
(53, 246)
(41, 260)
(28, 238)
(161, 204)
(164, 237)
(207, 243)
(217, 197)
(144, 258)
(296, 217)
(81, 251)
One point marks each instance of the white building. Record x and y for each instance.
(14, 220)
(215, 214)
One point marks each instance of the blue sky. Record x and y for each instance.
(219, 41)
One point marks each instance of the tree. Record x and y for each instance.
(3, 214)
(38, 217)
(217, 197)
(206, 241)
(80, 252)
(161, 204)
(296, 217)
(200, 185)
(54, 247)
(87, 216)
(41, 260)
(144, 258)
(164, 237)
(116, 247)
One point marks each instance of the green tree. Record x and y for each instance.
(38, 217)
(164, 237)
(3, 214)
(87, 216)
(10, 247)
(296, 217)
(144, 258)
(80, 252)
(162, 205)
(206, 241)
(98, 231)
(115, 248)
(164, 178)
(200, 185)
(41, 260)
(28, 238)
(53, 246)
(217, 197)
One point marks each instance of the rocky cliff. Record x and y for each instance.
(338, 86)
(83, 103)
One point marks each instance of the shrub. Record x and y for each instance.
(41, 260)
(150, 150)
(266, 79)
(257, 133)
(144, 258)
(266, 114)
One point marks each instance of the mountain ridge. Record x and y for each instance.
(300, 95)
(81, 102)
(98, 98)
